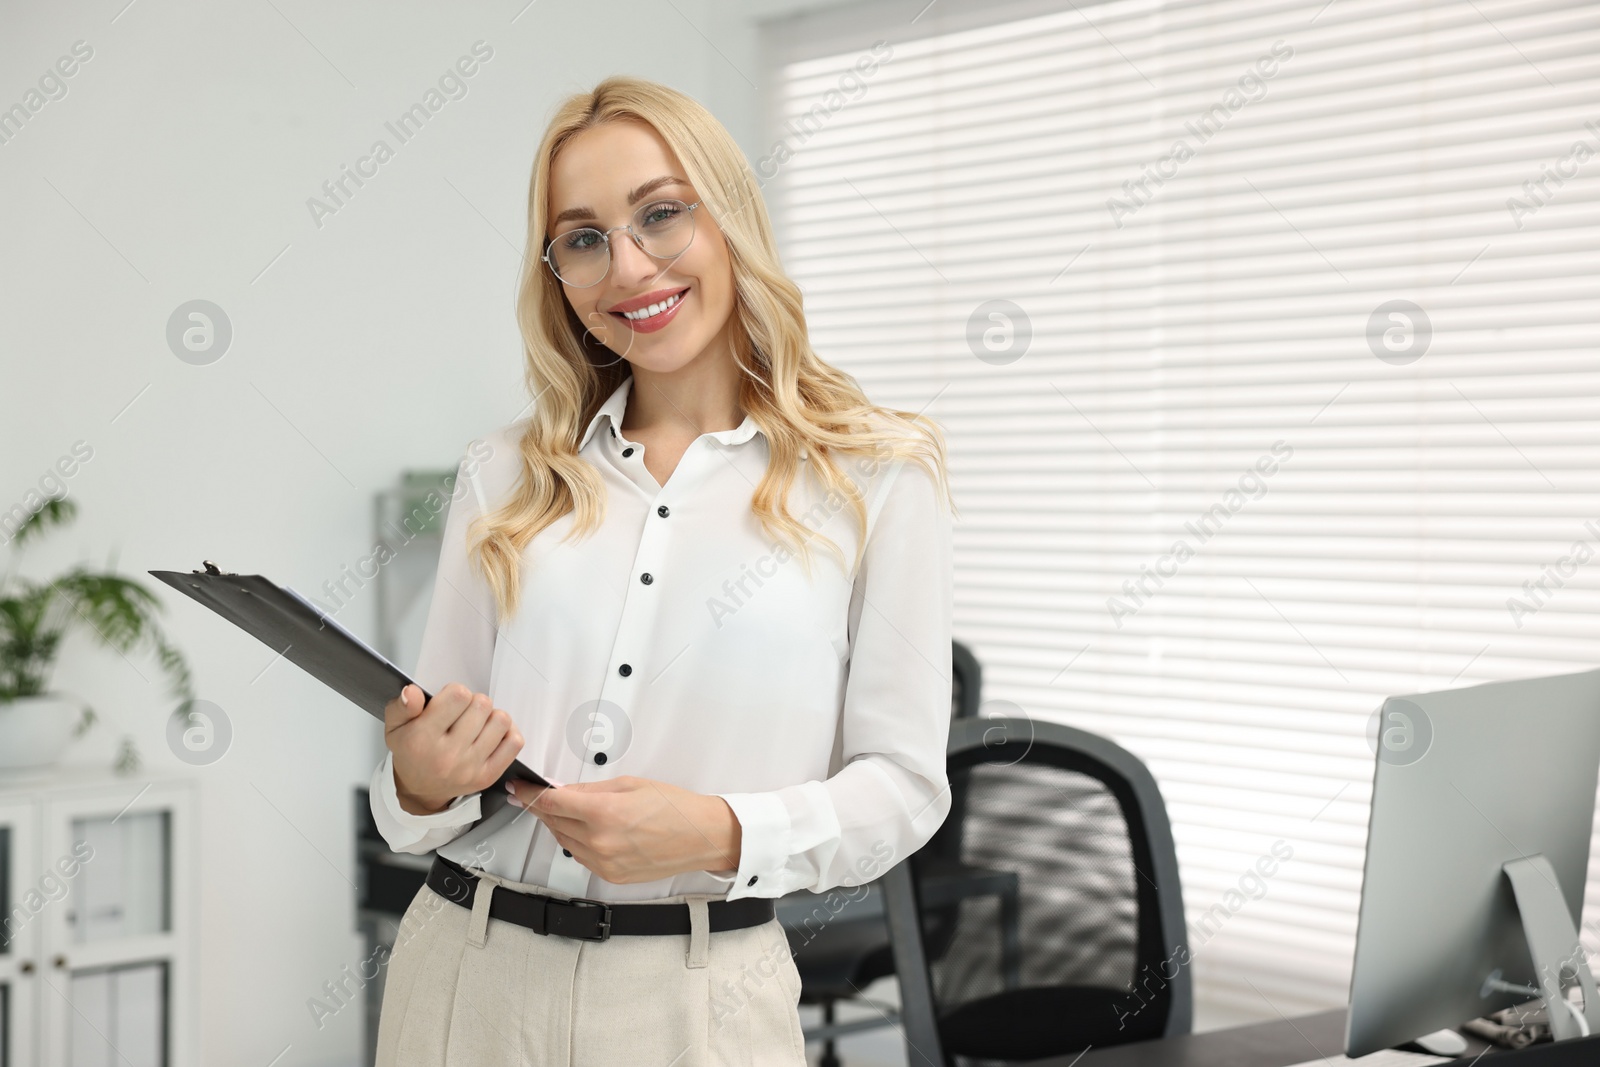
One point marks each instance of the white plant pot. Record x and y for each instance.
(35, 731)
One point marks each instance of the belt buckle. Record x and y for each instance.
(605, 918)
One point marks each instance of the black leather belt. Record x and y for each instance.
(591, 920)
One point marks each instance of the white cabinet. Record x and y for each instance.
(97, 920)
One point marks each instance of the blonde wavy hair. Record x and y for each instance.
(798, 401)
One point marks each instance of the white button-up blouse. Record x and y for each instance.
(678, 642)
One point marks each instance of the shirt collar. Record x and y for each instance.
(617, 403)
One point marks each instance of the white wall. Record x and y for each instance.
(178, 166)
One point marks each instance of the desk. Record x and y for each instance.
(1307, 1037)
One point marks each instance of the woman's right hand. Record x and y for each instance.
(458, 743)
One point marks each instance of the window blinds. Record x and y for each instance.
(1264, 335)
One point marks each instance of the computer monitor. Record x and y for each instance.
(1483, 805)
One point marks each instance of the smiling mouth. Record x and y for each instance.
(653, 313)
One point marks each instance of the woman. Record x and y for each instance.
(631, 599)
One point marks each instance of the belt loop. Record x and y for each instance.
(699, 930)
(478, 923)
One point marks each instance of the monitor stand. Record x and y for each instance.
(1554, 948)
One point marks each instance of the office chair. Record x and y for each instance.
(1083, 946)
(839, 955)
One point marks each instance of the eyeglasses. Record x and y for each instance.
(664, 229)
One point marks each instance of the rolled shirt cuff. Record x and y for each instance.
(763, 845)
(786, 837)
(405, 831)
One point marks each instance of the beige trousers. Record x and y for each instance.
(465, 990)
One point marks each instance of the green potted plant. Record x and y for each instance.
(37, 722)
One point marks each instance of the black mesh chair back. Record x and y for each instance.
(966, 682)
(1049, 918)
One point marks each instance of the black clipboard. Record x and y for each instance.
(308, 637)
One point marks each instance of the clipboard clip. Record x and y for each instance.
(211, 568)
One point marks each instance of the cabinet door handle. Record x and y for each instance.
(26, 966)
(61, 962)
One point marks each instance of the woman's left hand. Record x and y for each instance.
(629, 829)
